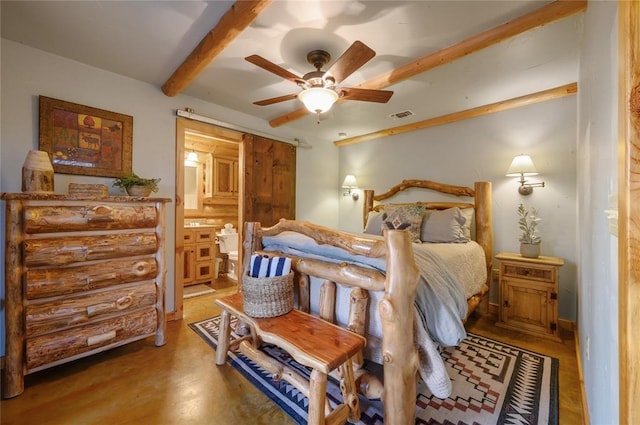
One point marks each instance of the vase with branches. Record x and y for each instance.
(529, 239)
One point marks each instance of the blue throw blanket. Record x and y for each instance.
(440, 300)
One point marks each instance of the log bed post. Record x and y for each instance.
(368, 204)
(396, 313)
(484, 233)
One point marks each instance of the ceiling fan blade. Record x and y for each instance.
(366, 95)
(273, 68)
(275, 100)
(353, 58)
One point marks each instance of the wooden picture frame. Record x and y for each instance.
(85, 140)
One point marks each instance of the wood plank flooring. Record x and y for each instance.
(179, 383)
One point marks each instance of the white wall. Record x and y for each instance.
(27, 73)
(597, 174)
(482, 149)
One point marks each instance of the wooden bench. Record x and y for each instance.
(312, 342)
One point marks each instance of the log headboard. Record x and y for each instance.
(480, 194)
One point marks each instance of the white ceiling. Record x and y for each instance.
(148, 40)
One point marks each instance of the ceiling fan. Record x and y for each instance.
(320, 88)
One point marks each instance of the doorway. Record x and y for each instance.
(214, 196)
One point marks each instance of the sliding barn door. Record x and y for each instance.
(269, 180)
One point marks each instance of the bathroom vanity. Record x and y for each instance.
(201, 255)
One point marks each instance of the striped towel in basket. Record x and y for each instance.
(264, 266)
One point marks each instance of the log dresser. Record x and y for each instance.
(82, 275)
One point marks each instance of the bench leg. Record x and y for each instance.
(317, 395)
(348, 389)
(224, 335)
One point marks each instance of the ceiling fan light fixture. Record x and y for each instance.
(318, 99)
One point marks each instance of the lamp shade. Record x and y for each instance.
(350, 182)
(522, 165)
(318, 99)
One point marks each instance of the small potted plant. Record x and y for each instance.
(135, 185)
(529, 240)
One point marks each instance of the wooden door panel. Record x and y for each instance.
(270, 170)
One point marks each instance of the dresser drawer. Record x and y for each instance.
(67, 250)
(50, 349)
(56, 314)
(536, 272)
(53, 218)
(41, 283)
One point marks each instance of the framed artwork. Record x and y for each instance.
(84, 140)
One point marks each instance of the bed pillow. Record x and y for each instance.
(444, 226)
(404, 217)
(468, 215)
(373, 226)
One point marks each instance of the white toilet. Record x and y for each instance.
(229, 245)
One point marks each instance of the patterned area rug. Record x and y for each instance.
(493, 383)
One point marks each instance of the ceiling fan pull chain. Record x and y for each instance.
(318, 114)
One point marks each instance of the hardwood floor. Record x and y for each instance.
(179, 383)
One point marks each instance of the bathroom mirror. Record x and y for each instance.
(191, 187)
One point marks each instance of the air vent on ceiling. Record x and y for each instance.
(403, 114)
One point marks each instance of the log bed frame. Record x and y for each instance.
(399, 353)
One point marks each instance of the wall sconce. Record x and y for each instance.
(522, 166)
(349, 184)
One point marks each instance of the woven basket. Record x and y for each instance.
(267, 296)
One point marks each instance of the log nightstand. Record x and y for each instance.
(529, 294)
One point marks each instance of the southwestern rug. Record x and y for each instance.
(493, 383)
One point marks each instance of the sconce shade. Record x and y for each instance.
(522, 165)
(318, 99)
(192, 156)
(350, 182)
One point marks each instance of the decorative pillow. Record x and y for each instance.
(444, 226)
(404, 217)
(468, 214)
(373, 226)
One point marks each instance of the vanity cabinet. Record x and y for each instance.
(199, 255)
(225, 177)
(189, 257)
(82, 275)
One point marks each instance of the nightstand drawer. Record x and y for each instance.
(529, 272)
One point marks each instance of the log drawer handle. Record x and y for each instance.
(121, 303)
(100, 278)
(100, 219)
(100, 249)
(99, 339)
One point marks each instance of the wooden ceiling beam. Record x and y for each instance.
(233, 22)
(516, 102)
(552, 12)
